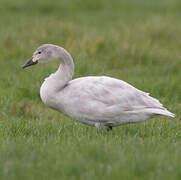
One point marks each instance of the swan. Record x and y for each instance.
(93, 100)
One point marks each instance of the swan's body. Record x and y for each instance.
(95, 100)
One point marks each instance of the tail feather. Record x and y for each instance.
(164, 112)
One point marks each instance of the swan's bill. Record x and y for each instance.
(30, 63)
(35, 58)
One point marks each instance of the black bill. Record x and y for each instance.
(29, 63)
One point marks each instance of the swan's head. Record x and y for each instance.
(44, 53)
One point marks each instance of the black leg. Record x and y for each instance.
(109, 128)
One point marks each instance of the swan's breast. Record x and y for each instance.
(44, 92)
(47, 94)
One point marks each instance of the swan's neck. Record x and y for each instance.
(65, 71)
(58, 80)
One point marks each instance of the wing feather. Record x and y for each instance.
(104, 98)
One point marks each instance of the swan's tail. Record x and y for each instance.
(164, 112)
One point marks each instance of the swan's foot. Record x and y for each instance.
(109, 128)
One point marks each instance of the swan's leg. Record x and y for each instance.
(99, 126)
(109, 128)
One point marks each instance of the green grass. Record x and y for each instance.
(137, 41)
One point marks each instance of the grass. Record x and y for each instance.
(136, 41)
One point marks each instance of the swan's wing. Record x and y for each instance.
(111, 91)
(104, 98)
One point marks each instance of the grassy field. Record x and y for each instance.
(137, 41)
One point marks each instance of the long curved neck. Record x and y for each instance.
(65, 71)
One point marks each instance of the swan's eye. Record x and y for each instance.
(39, 52)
